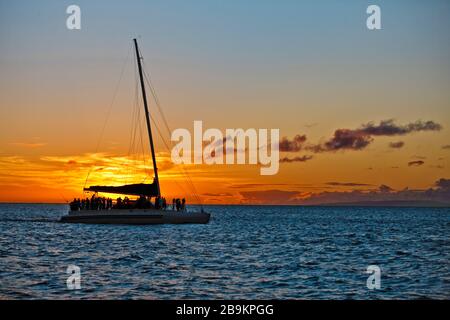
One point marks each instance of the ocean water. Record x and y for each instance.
(251, 252)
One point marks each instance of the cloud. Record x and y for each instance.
(443, 184)
(358, 139)
(446, 147)
(225, 194)
(389, 128)
(30, 145)
(415, 163)
(69, 172)
(296, 159)
(385, 189)
(348, 184)
(293, 145)
(344, 139)
(440, 193)
(266, 185)
(270, 196)
(253, 185)
(396, 145)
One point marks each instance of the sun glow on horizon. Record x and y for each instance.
(362, 114)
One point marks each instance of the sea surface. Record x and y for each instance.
(248, 252)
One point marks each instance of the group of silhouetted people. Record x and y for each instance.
(179, 205)
(160, 203)
(102, 203)
(94, 203)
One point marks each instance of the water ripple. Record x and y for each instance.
(244, 252)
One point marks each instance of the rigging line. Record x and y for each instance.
(152, 90)
(128, 158)
(135, 115)
(155, 97)
(109, 111)
(184, 171)
(131, 139)
(194, 193)
(132, 155)
(141, 140)
(136, 126)
(167, 148)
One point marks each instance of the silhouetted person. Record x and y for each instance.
(183, 204)
(73, 205)
(126, 202)
(141, 202)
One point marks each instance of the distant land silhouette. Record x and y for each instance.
(390, 203)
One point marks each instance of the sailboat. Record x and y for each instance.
(136, 215)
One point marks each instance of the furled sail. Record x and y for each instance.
(138, 189)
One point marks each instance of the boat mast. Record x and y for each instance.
(147, 116)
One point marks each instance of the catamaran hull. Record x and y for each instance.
(135, 217)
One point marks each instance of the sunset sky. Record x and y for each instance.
(362, 114)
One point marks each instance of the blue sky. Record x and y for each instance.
(217, 54)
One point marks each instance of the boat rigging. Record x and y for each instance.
(142, 211)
